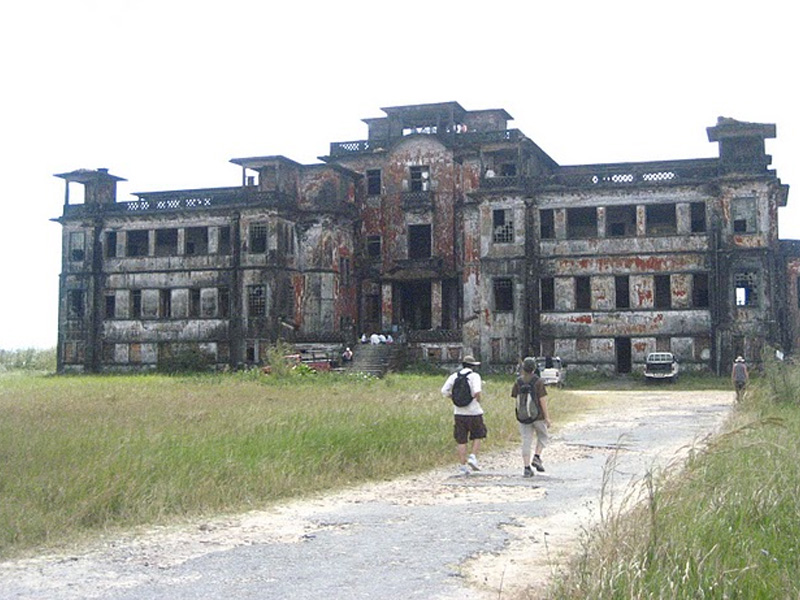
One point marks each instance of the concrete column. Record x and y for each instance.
(386, 306)
(436, 303)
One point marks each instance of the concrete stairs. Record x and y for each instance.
(371, 359)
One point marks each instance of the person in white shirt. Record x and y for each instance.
(468, 420)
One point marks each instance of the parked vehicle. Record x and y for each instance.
(552, 370)
(661, 366)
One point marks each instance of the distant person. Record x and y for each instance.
(364, 339)
(468, 418)
(374, 339)
(739, 377)
(347, 355)
(532, 415)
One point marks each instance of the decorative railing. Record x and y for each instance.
(469, 138)
(503, 182)
(422, 199)
(418, 336)
(623, 174)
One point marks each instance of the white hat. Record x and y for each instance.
(739, 359)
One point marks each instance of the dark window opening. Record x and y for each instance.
(503, 226)
(621, 221)
(583, 293)
(419, 241)
(548, 292)
(624, 354)
(374, 182)
(111, 244)
(258, 238)
(581, 223)
(111, 306)
(662, 293)
(508, 170)
(197, 240)
(166, 242)
(136, 304)
(661, 219)
(622, 291)
(165, 304)
(250, 351)
(698, 217)
(344, 271)
(700, 296)
(224, 240)
(194, 302)
(138, 242)
(256, 301)
(503, 295)
(419, 179)
(547, 227)
(223, 302)
(374, 246)
(286, 239)
(746, 283)
(76, 246)
(76, 307)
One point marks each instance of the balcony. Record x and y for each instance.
(629, 174)
(418, 199)
(463, 139)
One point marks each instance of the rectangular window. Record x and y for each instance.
(583, 293)
(165, 304)
(700, 297)
(136, 304)
(698, 217)
(419, 241)
(166, 242)
(746, 283)
(662, 293)
(547, 227)
(503, 295)
(223, 302)
(258, 238)
(374, 247)
(621, 221)
(622, 291)
(548, 293)
(286, 239)
(111, 244)
(374, 182)
(194, 303)
(419, 179)
(661, 219)
(77, 241)
(138, 243)
(503, 226)
(743, 215)
(111, 305)
(76, 308)
(581, 223)
(256, 301)
(224, 240)
(197, 240)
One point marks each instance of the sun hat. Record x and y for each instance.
(739, 359)
(470, 360)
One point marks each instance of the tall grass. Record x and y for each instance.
(726, 526)
(91, 453)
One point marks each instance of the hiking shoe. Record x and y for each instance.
(537, 464)
(473, 462)
(528, 472)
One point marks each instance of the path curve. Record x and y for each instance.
(437, 535)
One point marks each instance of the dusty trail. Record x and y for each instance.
(435, 535)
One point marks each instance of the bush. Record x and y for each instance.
(188, 360)
(28, 359)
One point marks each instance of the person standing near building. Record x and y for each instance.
(468, 418)
(739, 377)
(532, 414)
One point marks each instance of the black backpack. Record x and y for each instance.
(462, 392)
(527, 401)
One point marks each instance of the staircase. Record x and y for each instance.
(371, 359)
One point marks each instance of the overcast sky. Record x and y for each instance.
(164, 93)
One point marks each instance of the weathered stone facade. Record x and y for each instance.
(455, 233)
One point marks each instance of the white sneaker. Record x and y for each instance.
(473, 462)
(464, 470)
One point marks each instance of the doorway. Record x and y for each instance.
(624, 355)
(412, 300)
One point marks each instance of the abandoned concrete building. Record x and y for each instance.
(450, 230)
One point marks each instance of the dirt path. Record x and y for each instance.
(490, 535)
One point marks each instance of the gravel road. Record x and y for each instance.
(438, 535)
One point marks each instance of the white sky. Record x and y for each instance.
(165, 92)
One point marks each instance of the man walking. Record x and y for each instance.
(739, 377)
(467, 412)
(532, 415)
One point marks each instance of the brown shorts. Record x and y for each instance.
(469, 427)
